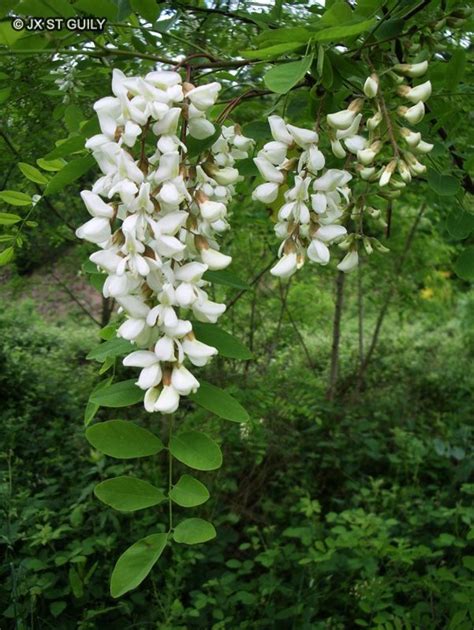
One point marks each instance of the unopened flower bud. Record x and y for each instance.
(387, 173)
(338, 149)
(379, 247)
(412, 138)
(356, 105)
(404, 171)
(367, 245)
(371, 86)
(424, 147)
(365, 172)
(374, 122)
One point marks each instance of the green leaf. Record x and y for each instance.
(91, 408)
(189, 492)
(56, 608)
(121, 394)
(113, 348)
(282, 78)
(32, 173)
(455, 68)
(4, 94)
(226, 278)
(460, 224)
(123, 440)
(193, 531)
(6, 256)
(443, 185)
(196, 450)
(72, 171)
(128, 494)
(464, 265)
(272, 51)
(468, 562)
(73, 117)
(46, 8)
(8, 219)
(274, 36)
(338, 33)
(8, 35)
(149, 10)
(67, 147)
(15, 198)
(390, 28)
(50, 165)
(219, 402)
(136, 563)
(99, 8)
(228, 345)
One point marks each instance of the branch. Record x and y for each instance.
(252, 282)
(39, 190)
(336, 335)
(75, 299)
(390, 293)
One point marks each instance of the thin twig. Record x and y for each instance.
(75, 299)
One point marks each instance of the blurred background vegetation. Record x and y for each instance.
(345, 502)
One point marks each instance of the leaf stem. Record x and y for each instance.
(170, 472)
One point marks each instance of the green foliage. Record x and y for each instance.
(123, 440)
(349, 513)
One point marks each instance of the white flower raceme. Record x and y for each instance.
(157, 219)
(309, 216)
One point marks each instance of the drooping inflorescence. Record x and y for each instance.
(317, 204)
(308, 219)
(157, 215)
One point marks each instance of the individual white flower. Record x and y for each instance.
(151, 373)
(183, 381)
(286, 266)
(198, 352)
(214, 259)
(412, 138)
(303, 137)
(342, 119)
(201, 128)
(266, 193)
(279, 130)
(416, 94)
(318, 252)
(349, 262)
(424, 147)
(412, 70)
(413, 114)
(387, 173)
(268, 171)
(204, 96)
(168, 400)
(96, 230)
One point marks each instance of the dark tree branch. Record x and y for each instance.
(336, 335)
(390, 293)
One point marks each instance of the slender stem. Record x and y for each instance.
(170, 471)
(336, 335)
(390, 293)
(388, 122)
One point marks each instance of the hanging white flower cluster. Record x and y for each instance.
(314, 201)
(156, 218)
(346, 123)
